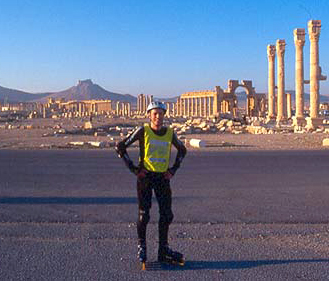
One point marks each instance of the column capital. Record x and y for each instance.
(314, 28)
(271, 51)
(299, 37)
(280, 46)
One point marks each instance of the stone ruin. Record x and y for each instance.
(282, 111)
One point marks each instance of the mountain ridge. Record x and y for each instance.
(84, 90)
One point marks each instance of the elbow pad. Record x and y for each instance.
(120, 149)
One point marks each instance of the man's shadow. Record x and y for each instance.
(221, 265)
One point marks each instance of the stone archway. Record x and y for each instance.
(251, 105)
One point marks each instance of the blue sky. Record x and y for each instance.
(164, 48)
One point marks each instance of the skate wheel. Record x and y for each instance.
(143, 265)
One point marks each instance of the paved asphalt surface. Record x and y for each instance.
(70, 215)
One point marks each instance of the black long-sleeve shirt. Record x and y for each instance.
(138, 134)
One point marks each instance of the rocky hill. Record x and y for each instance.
(87, 90)
(11, 95)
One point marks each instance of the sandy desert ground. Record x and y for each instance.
(41, 136)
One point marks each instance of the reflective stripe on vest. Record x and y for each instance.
(157, 150)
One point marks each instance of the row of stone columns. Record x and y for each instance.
(281, 112)
(123, 109)
(142, 103)
(283, 101)
(196, 106)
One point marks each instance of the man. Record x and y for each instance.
(153, 173)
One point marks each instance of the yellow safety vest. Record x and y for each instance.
(157, 150)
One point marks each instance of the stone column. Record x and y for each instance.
(180, 109)
(314, 28)
(180, 106)
(80, 108)
(205, 107)
(129, 109)
(288, 96)
(197, 102)
(199, 107)
(271, 82)
(123, 109)
(188, 107)
(137, 103)
(299, 39)
(168, 113)
(117, 109)
(248, 105)
(149, 100)
(215, 104)
(145, 104)
(185, 107)
(209, 106)
(193, 106)
(143, 108)
(282, 108)
(262, 107)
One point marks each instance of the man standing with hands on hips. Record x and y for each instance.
(153, 173)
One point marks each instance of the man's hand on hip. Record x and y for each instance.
(168, 175)
(142, 173)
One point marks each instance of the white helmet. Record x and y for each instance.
(156, 104)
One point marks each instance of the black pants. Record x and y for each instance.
(161, 187)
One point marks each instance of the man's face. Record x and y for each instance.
(156, 117)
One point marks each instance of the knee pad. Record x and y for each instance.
(143, 216)
(167, 217)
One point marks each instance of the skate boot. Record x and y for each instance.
(142, 255)
(168, 256)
